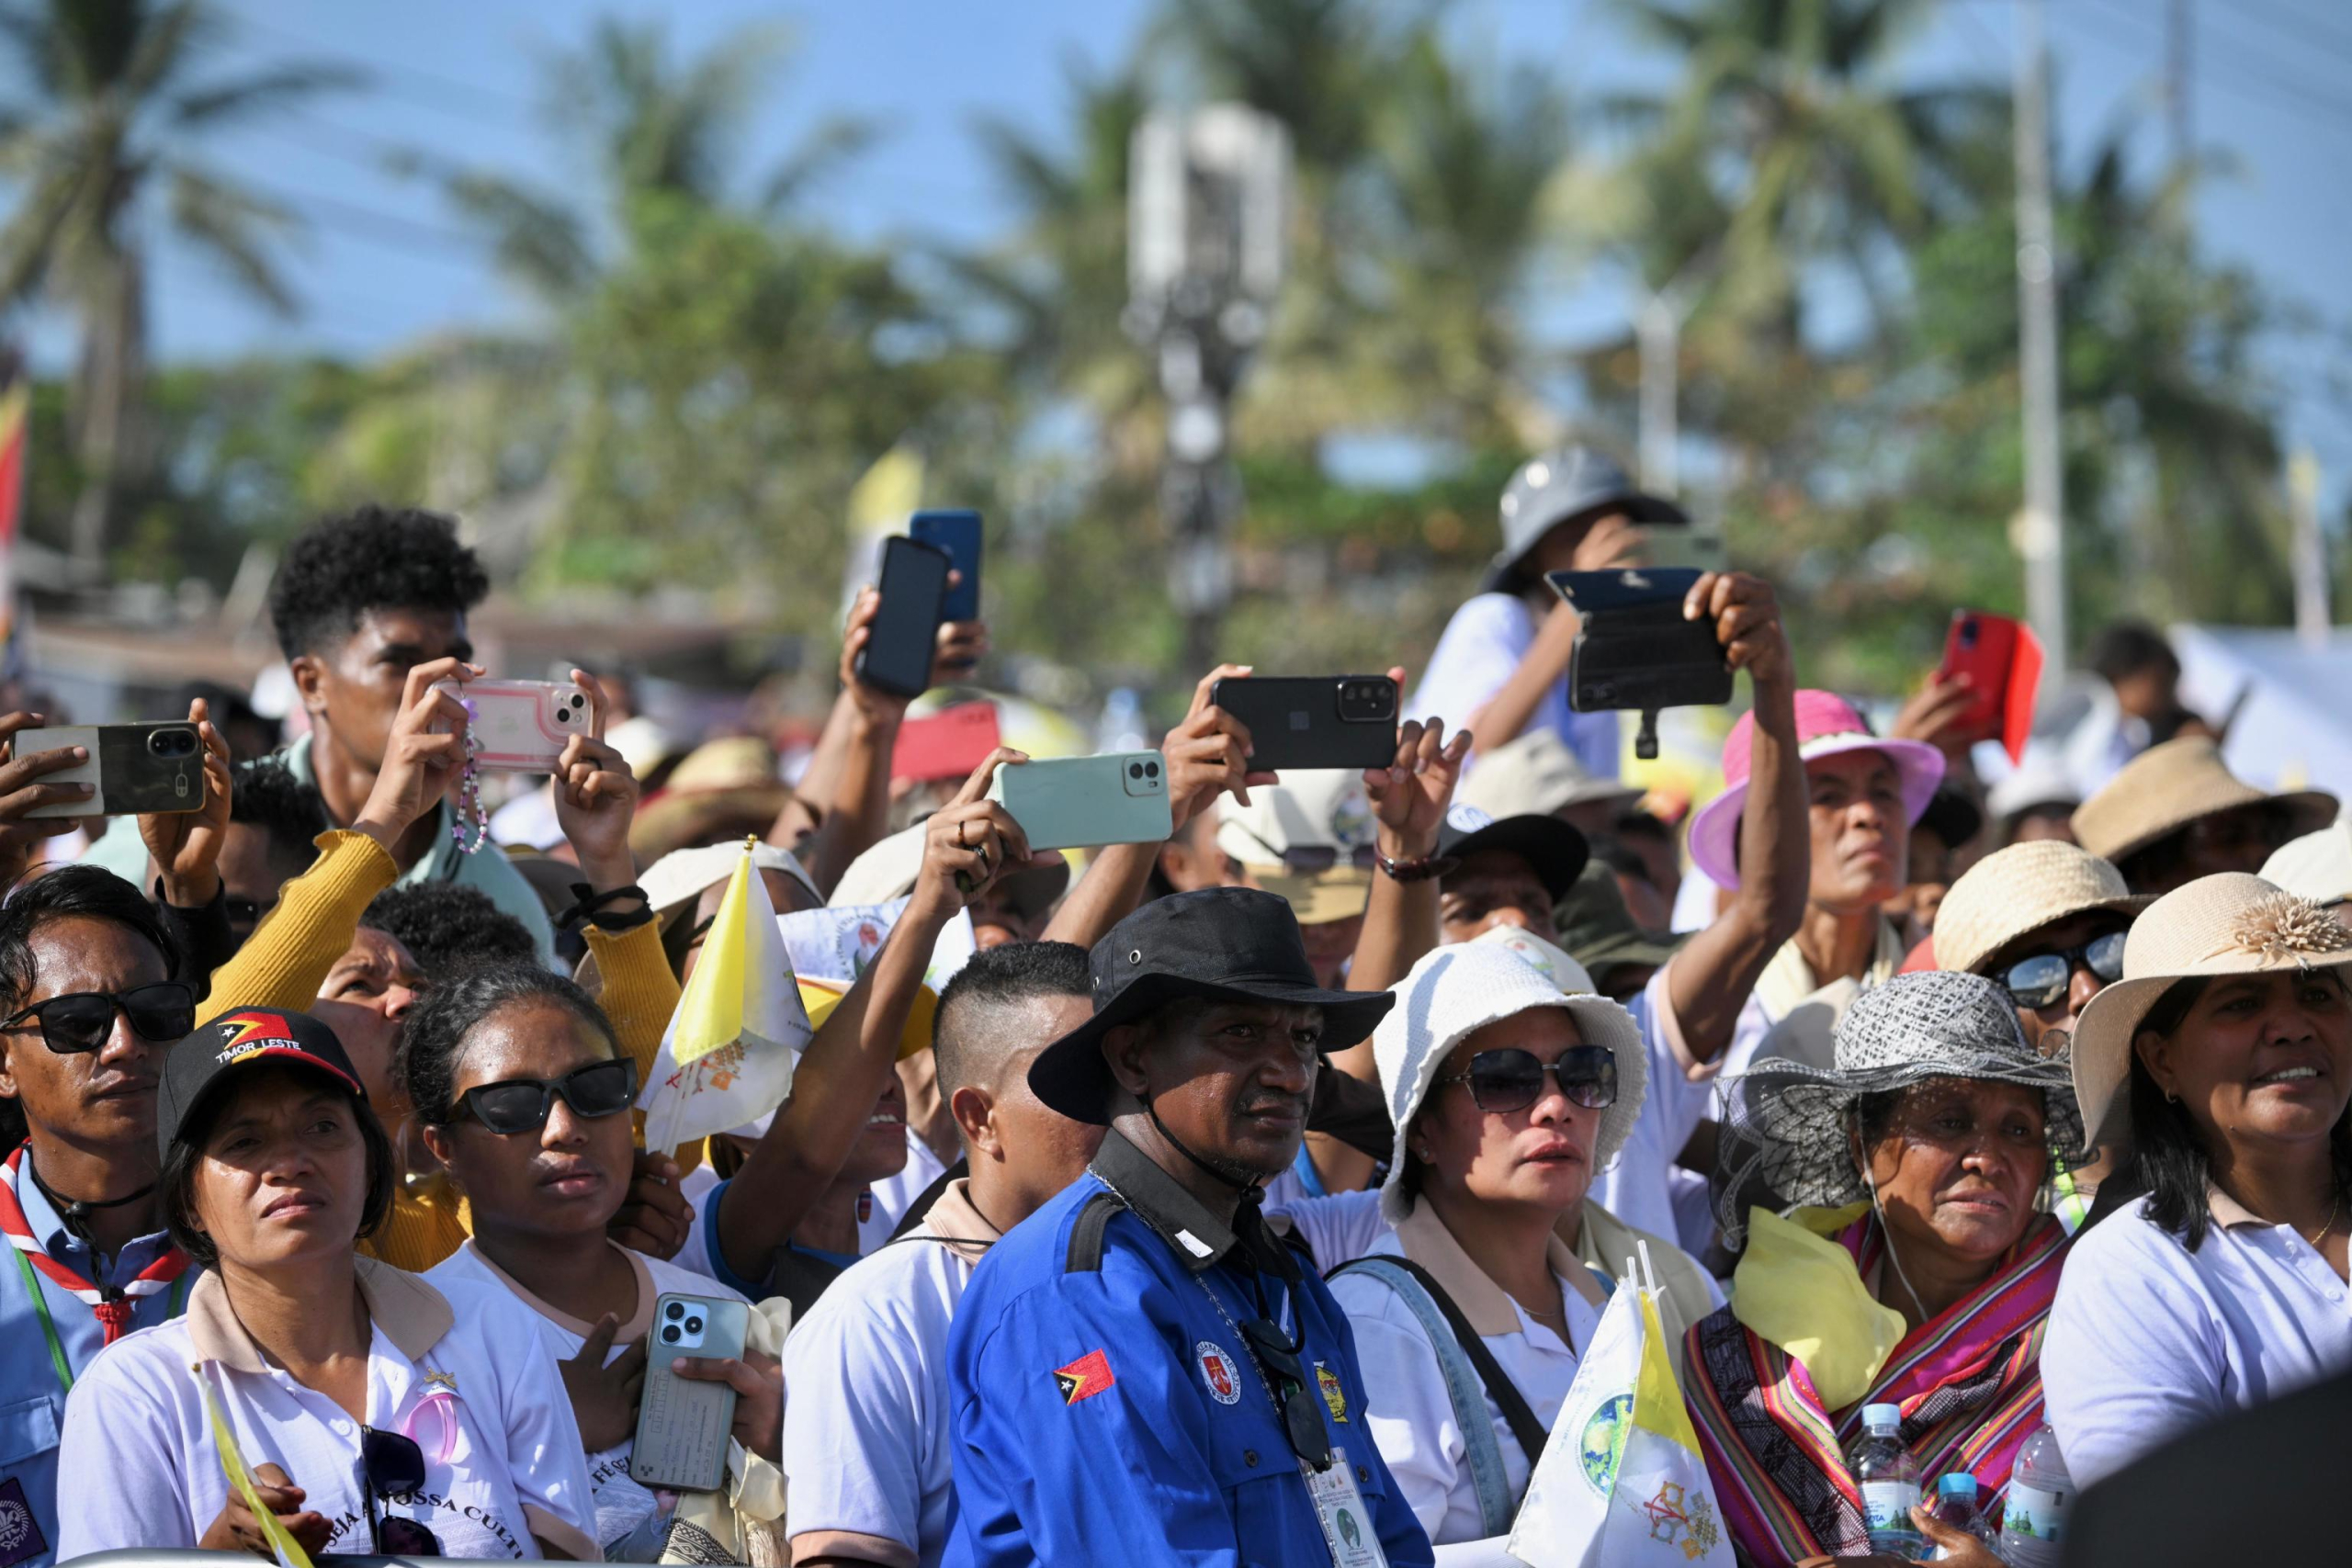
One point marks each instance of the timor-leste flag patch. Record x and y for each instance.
(1084, 1378)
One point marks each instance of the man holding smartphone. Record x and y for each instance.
(1503, 662)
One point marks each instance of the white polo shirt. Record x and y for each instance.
(866, 1432)
(629, 1519)
(1411, 1418)
(503, 1458)
(2148, 1340)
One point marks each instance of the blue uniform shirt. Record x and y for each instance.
(32, 1405)
(1106, 1411)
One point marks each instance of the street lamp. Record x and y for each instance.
(1208, 193)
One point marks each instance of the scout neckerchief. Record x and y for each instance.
(112, 1308)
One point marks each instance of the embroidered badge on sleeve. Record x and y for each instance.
(1084, 1378)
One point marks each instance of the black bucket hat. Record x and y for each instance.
(1573, 481)
(1224, 943)
(1554, 848)
(201, 1067)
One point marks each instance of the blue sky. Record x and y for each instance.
(386, 263)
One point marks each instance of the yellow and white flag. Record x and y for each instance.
(729, 1053)
(1622, 1482)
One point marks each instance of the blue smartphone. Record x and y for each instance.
(957, 533)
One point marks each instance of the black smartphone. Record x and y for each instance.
(137, 770)
(1314, 721)
(1635, 651)
(957, 533)
(897, 652)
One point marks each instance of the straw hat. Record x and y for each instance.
(2017, 891)
(1537, 776)
(2229, 924)
(1457, 990)
(888, 869)
(722, 784)
(2166, 787)
(1785, 1123)
(1307, 840)
(2317, 866)
(1827, 725)
(673, 883)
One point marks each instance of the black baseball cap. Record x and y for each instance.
(1554, 848)
(199, 1066)
(1224, 943)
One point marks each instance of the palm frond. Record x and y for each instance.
(235, 229)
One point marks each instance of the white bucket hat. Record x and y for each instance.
(1457, 990)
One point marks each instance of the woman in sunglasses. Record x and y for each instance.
(375, 1413)
(524, 1096)
(1508, 1096)
(1917, 1269)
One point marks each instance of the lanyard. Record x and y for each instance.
(48, 1324)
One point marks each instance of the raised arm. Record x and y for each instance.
(1709, 980)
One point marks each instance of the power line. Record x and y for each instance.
(2303, 28)
(449, 89)
(2250, 83)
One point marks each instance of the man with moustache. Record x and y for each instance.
(92, 1001)
(1140, 1373)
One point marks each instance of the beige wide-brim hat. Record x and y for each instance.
(2166, 787)
(2317, 866)
(1458, 990)
(2017, 891)
(2230, 924)
(1537, 776)
(888, 870)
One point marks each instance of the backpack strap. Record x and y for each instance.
(1085, 1254)
(1471, 1378)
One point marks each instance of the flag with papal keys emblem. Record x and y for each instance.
(1622, 1484)
(729, 1053)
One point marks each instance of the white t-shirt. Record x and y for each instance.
(456, 1365)
(1480, 649)
(867, 1443)
(2148, 1340)
(892, 1194)
(629, 1519)
(1639, 1185)
(1338, 1227)
(1412, 1419)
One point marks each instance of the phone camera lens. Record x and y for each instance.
(1135, 770)
(670, 1334)
(693, 1326)
(1151, 770)
(676, 1311)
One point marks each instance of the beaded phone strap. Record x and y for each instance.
(470, 793)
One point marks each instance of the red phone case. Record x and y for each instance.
(946, 745)
(2003, 660)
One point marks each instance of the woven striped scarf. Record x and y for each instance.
(1969, 1382)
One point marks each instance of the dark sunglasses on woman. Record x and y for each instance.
(1513, 1079)
(520, 1105)
(2041, 979)
(79, 1022)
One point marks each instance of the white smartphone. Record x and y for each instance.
(681, 1427)
(520, 726)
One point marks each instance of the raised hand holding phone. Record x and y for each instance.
(185, 845)
(422, 756)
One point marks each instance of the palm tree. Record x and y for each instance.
(104, 155)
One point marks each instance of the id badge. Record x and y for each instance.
(1347, 1523)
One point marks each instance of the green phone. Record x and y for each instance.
(1075, 803)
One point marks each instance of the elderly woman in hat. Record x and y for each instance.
(2176, 813)
(1916, 1270)
(2222, 1060)
(1471, 1312)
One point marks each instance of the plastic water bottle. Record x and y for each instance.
(2033, 1519)
(1956, 1506)
(1890, 1482)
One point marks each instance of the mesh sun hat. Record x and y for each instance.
(2229, 924)
(1457, 990)
(1827, 725)
(2017, 891)
(2166, 787)
(1785, 1130)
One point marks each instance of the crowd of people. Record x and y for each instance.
(1247, 1197)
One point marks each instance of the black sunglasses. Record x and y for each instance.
(395, 1468)
(2041, 979)
(520, 1105)
(1513, 1079)
(1277, 1356)
(81, 1021)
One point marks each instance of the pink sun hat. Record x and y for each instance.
(1827, 724)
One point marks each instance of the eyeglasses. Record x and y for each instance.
(1277, 1356)
(2041, 979)
(1513, 1079)
(520, 1105)
(394, 1466)
(81, 1021)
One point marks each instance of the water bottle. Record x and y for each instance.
(2033, 1520)
(1890, 1482)
(1956, 1506)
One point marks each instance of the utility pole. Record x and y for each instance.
(1657, 330)
(2179, 41)
(2310, 552)
(2042, 533)
(1207, 209)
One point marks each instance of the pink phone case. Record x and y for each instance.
(521, 725)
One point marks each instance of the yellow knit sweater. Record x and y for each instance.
(287, 959)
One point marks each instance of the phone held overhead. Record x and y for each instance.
(134, 770)
(520, 726)
(1635, 650)
(1075, 803)
(2001, 661)
(958, 533)
(1314, 721)
(900, 639)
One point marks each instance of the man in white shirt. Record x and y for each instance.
(866, 1431)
